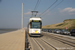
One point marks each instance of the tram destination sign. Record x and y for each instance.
(35, 20)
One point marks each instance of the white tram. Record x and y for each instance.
(34, 26)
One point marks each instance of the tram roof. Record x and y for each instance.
(35, 18)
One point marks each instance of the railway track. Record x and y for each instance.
(49, 44)
(43, 43)
(62, 40)
(39, 44)
(34, 44)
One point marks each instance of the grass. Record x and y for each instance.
(70, 23)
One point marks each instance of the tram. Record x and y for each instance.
(34, 26)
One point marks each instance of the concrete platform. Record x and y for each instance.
(14, 40)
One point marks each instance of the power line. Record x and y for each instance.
(37, 4)
(53, 7)
(49, 7)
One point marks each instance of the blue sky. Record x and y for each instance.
(10, 12)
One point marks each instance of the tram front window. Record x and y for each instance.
(36, 25)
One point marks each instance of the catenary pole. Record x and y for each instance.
(22, 19)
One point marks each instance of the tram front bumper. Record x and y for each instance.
(35, 34)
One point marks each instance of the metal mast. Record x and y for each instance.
(22, 18)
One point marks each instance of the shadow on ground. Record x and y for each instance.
(37, 36)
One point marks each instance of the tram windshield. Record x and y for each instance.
(35, 24)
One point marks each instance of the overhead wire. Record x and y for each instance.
(53, 8)
(37, 4)
(49, 7)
